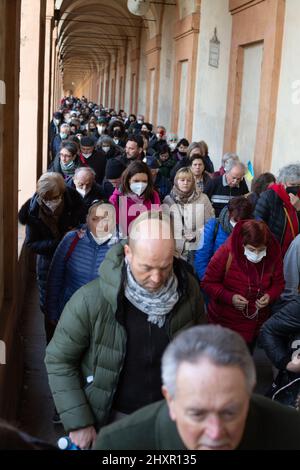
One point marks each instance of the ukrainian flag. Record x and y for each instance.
(250, 172)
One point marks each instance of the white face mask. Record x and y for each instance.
(140, 121)
(232, 222)
(254, 257)
(101, 129)
(57, 122)
(138, 188)
(87, 155)
(116, 141)
(82, 192)
(101, 240)
(106, 149)
(172, 145)
(53, 205)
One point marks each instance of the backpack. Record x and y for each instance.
(79, 234)
(216, 229)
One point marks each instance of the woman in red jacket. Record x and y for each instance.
(243, 278)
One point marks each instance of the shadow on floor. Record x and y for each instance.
(37, 405)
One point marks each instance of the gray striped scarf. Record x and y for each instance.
(154, 304)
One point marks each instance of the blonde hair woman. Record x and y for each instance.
(190, 209)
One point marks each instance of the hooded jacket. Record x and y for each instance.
(270, 209)
(278, 333)
(39, 237)
(224, 278)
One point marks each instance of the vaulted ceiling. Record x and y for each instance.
(92, 31)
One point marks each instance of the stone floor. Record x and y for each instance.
(37, 405)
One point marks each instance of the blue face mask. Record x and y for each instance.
(63, 135)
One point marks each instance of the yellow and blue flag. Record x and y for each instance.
(250, 171)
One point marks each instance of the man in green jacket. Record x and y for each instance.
(104, 359)
(208, 379)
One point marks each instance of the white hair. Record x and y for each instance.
(289, 173)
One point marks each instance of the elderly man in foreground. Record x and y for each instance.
(104, 359)
(208, 380)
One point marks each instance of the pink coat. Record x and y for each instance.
(129, 207)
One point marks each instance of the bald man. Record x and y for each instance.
(104, 360)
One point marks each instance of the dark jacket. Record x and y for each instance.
(166, 166)
(90, 341)
(126, 161)
(270, 209)
(220, 195)
(279, 331)
(107, 189)
(209, 166)
(39, 237)
(158, 144)
(229, 273)
(56, 166)
(162, 185)
(53, 131)
(114, 151)
(185, 161)
(96, 193)
(55, 145)
(269, 426)
(97, 161)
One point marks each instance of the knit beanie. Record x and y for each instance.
(114, 169)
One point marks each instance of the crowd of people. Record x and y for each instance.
(137, 237)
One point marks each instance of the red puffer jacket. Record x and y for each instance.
(229, 272)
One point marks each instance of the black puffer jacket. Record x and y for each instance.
(279, 331)
(39, 237)
(270, 209)
(96, 193)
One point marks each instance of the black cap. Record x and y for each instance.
(152, 163)
(57, 115)
(114, 169)
(87, 142)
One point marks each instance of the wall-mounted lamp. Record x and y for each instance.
(214, 50)
(138, 7)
